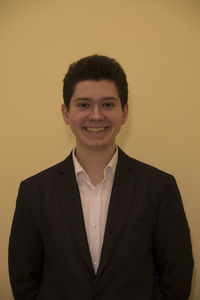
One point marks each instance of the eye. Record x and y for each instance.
(108, 104)
(83, 105)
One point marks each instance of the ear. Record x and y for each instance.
(65, 113)
(124, 114)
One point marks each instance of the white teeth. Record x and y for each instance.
(95, 129)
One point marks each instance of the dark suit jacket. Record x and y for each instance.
(146, 253)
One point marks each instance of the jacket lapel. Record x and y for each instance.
(120, 204)
(119, 207)
(69, 199)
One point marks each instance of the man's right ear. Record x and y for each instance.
(65, 113)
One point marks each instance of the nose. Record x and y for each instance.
(96, 114)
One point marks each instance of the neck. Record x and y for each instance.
(94, 161)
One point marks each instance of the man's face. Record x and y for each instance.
(95, 114)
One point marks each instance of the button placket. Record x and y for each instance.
(94, 234)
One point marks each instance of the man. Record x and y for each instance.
(99, 225)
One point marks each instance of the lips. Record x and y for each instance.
(95, 129)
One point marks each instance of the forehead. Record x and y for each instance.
(95, 89)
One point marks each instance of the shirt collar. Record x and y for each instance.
(111, 166)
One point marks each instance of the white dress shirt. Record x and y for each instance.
(95, 201)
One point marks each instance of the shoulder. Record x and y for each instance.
(151, 182)
(139, 166)
(143, 172)
(49, 175)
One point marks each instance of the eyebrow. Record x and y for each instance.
(89, 99)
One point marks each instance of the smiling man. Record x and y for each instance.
(99, 225)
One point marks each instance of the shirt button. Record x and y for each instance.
(93, 225)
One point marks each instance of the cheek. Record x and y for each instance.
(116, 119)
(76, 119)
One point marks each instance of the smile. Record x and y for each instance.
(95, 129)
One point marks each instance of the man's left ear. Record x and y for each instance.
(125, 114)
(65, 113)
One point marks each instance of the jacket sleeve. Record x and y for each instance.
(25, 252)
(172, 246)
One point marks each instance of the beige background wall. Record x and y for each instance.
(157, 43)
